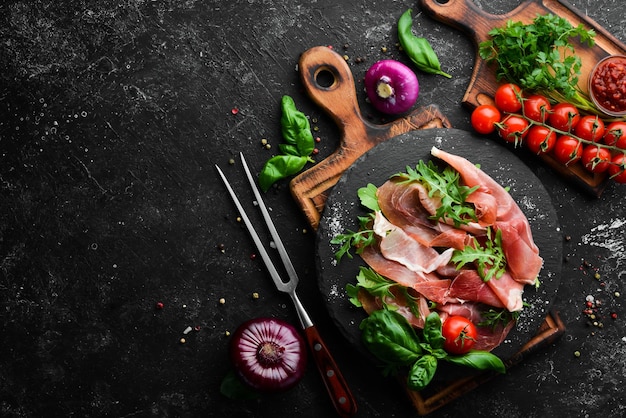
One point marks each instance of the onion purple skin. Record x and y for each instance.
(281, 371)
(397, 79)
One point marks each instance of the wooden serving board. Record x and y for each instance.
(338, 98)
(469, 18)
(311, 188)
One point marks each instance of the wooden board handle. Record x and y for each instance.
(328, 81)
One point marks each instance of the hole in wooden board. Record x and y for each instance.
(325, 78)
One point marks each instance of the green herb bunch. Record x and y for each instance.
(540, 57)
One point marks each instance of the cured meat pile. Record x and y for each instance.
(415, 251)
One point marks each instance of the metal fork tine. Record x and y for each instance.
(291, 271)
(282, 286)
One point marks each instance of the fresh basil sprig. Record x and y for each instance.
(296, 149)
(390, 337)
(419, 50)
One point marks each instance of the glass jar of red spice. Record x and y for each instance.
(607, 85)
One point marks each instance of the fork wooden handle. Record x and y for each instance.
(337, 388)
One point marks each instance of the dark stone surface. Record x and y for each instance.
(112, 117)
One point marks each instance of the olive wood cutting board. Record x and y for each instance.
(336, 94)
(476, 23)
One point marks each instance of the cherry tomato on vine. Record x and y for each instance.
(508, 98)
(615, 134)
(617, 168)
(596, 159)
(564, 116)
(513, 129)
(536, 107)
(460, 334)
(484, 119)
(540, 139)
(567, 149)
(590, 127)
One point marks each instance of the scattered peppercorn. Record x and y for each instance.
(221, 248)
(160, 305)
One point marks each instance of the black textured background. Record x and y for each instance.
(112, 116)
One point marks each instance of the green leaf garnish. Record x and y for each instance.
(489, 259)
(444, 185)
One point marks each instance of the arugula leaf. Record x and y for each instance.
(357, 239)
(492, 318)
(490, 259)
(444, 185)
(372, 282)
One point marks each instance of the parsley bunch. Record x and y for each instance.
(539, 56)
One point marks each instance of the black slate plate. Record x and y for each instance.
(377, 165)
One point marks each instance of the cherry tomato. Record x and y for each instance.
(460, 334)
(540, 139)
(536, 107)
(589, 127)
(484, 119)
(617, 168)
(508, 98)
(596, 159)
(615, 134)
(513, 129)
(564, 116)
(567, 149)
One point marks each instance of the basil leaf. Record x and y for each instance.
(417, 49)
(432, 331)
(289, 149)
(390, 337)
(295, 128)
(481, 360)
(279, 167)
(232, 387)
(422, 372)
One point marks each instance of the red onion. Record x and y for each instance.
(268, 354)
(391, 86)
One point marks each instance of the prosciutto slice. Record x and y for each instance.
(519, 247)
(415, 251)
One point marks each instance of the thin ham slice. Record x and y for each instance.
(468, 286)
(431, 286)
(401, 204)
(397, 245)
(522, 246)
